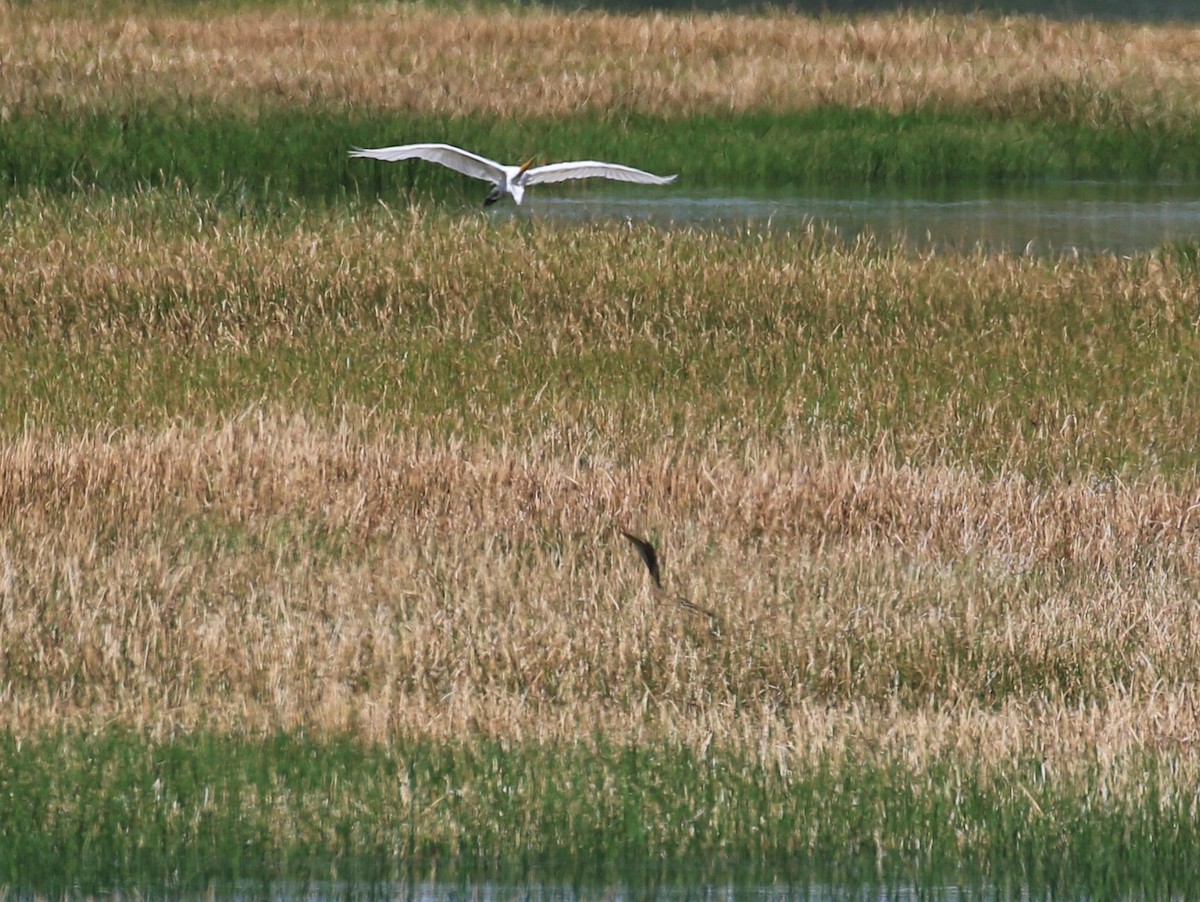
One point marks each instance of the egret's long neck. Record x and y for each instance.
(516, 185)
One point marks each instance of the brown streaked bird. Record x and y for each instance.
(650, 558)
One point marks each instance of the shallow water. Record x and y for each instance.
(1115, 10)
(333, 891)
(1046, 218)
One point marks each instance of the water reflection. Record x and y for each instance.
(330, 891)
(1115, 10)
(1047, 218)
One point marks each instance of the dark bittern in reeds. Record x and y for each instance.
(650, 557)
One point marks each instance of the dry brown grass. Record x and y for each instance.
(270, 571)
(501, 63)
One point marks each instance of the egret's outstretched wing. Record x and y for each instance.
(590, 169)
(445, 154)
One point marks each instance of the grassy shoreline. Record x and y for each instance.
(264, 103)
(213, 152)
(170, 305)
(198, 809)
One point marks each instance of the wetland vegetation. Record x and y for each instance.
(265, 101)
(309, 559)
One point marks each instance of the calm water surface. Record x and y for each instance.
(330, 891)
(1182, 11)
(1048, 218)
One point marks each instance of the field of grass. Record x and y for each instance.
(532, 62)
(356, 475)
(309, 509)
(268, 101)
(162, 814)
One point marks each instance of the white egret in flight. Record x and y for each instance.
(511, 180)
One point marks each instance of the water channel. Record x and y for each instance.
(1045, 218)
(1181, 11)
(335, 891)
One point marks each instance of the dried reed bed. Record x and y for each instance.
(519, 63)
(270, 571)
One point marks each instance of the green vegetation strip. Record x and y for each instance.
(119, 808)
(295, 153)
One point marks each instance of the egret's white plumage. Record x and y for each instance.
(510, 180)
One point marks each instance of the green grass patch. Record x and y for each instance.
(1068, 419)
(276, 155)
(117, 809)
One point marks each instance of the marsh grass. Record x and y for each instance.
(225, 155)
(168, 304)
(125, 101)
(363, 473)
(504, 63)
(353, 479)
(202, 809)
(279, 575)
(310, 548)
